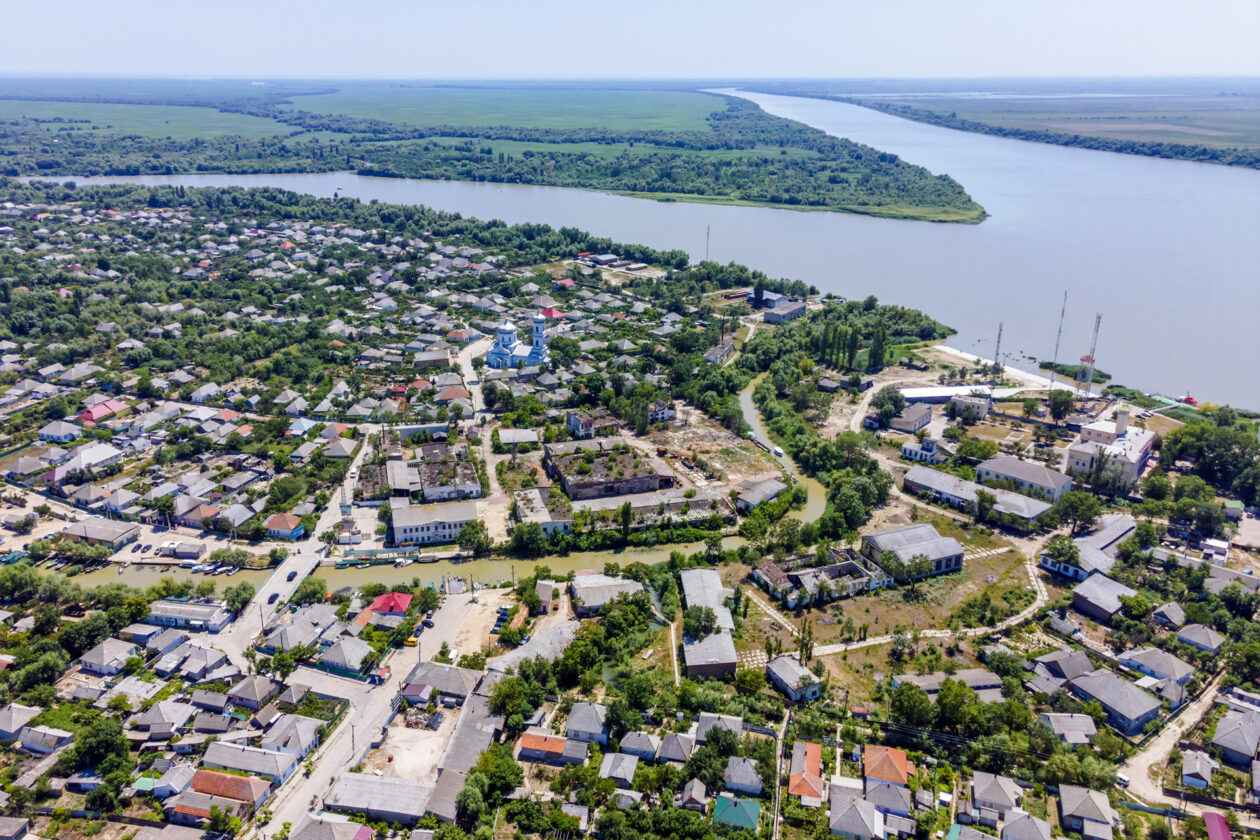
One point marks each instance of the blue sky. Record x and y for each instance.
(537, 39)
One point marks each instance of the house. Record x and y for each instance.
(805, 774)
(163, 718)
(1170, 615)
(13, 828)
(315, 828)
(1087, 812)
(43, 739)
(741, 776)
(978, 404)
(718, 354)
(174, 780)
(1157, 663)
(254, 692)
(453, 684)
(294, 734)
(660, 411)
(736, 812)
(889, 799)
(707, 721)
(1238, 737)
(944, 554)
(886, 764)
(853, 818)
(676, 748)
(285, 526)
(788, 675)
(1023, 826)
(1203, 638)
(539, 745)
(15, 716)
(1072, 729)
(59, 431)
(345, 656)
(1099, 597)
(587, 723)
(107, 658)
(269, 764)
(620, 768)
(641, 744)
(1196, 769)
(250, 790)
(758, 494)
(1027, 476)
(693, 797)
(1128, 707)
(591, 592)
(996, 793)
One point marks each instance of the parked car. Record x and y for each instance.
(428, 622)
(273, 597)
(291, 576)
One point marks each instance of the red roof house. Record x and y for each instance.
(392, 603)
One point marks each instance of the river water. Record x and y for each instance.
(1167, 251)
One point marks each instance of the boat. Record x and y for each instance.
(402, 563)
(220, 570)
(363, 565)
(233, 570)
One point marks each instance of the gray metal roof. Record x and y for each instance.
(370, 794)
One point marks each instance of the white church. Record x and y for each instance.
(508, 350)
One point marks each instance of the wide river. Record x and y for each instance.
(1167, 251)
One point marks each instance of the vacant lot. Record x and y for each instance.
(606, 109)
(176, 122)
(412, 753)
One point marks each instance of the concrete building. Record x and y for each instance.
(1028, 477)
(944, 553)
(211, 616)
(1015, 508)
(787, 674)
(382, 798)
(429, 524)
(96, 530)
(605, 467)
(591, 592)
(1114, 445)
(1099, 597)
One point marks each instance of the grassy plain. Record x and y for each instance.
(607, 109)
(174, 121)
(1206, 121)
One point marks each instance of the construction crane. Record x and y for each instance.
(997, 356)
(1054, 364)
(1085, 371)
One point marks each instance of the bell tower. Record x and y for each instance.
(540, 331)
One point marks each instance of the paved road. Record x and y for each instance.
(366, 719)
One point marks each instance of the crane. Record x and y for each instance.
(1085, 373)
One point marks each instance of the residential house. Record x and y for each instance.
(454, 685)
(1157, 663)
(620, 768)
(1072, 729)
(1087, 812)
(587, 722)
(737, 813)
(1024, 826)
(254, 692)
(641, 744)
(999, 794)
(108, 658)
(742, 777)
(1098, 597)
(269, 764)
(707, 722)
(887, 764)
(15, 716)
(693, 797)
(1238, 737)
(805, 777)
(1196, 769)
(944, 554)
(788, 675)
(285, 526)
(854, 818)
(539, 745)
(1201, 637)
(250, 790)
(1128, 707)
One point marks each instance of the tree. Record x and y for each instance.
(1061, 404)
(985, 502)
(1079, 509)
(474, 537)
(1029, 407)
(749, 681)
(955, 704)
(889, 401)
(528, 538)
(1062, 549)
(621, 718)
(470, 803)
(699, 622)
(910, 705)
(238, 597)
(312, 590)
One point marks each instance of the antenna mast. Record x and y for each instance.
(997, 354)
(1085, 373)
(1055, 363)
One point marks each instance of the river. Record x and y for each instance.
(1165, 250)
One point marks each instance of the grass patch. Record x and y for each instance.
(176, 122)
(607, 109)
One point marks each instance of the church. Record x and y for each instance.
(508, 351)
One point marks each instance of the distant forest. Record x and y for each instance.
(747, 156)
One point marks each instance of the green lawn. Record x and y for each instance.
(608, 109)
(177, 122)
(612, 150)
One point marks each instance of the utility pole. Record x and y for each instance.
(1055, 362)
(997, 354)
(706, 242)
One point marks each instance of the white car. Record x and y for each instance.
(354, 472)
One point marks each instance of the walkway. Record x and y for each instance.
(770, 612)
(1041, 600)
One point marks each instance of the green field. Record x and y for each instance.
(607, 109)
(1230, 121)
(176, 122)
(612, 150)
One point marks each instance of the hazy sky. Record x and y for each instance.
(536, 39)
